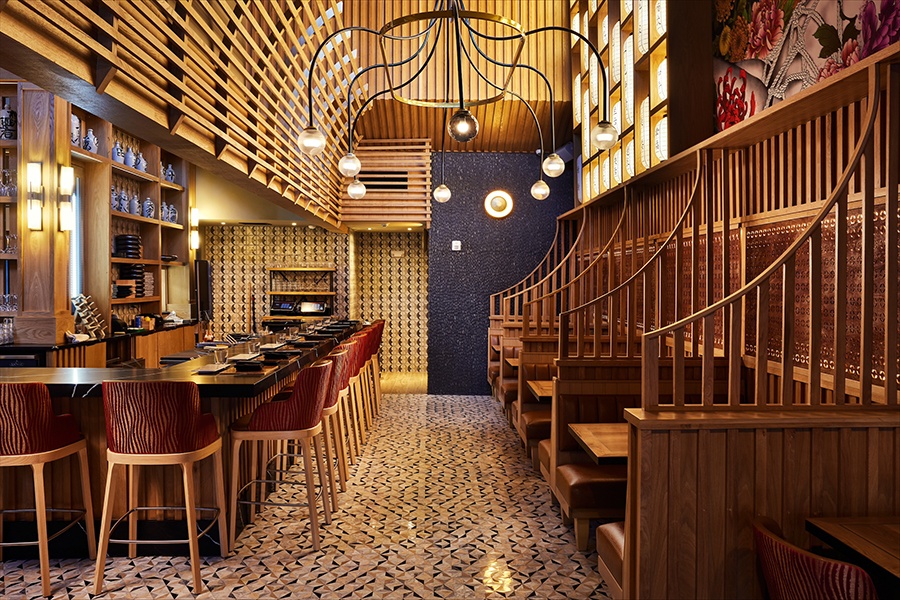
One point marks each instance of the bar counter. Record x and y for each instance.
(78, 391)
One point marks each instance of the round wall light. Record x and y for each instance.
(498, 204)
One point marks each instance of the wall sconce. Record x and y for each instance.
(195, 239)
(66, 189)
(195, 217)
(35, 209)
(498, 204)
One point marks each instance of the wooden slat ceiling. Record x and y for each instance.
(223, 83)
(505, 126)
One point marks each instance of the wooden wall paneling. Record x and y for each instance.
(683, 517)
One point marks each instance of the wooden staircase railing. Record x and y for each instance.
(785, 382)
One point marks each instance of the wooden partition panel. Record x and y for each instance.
(697, 481)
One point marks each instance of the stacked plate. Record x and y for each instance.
(128, 246)
(135, 272)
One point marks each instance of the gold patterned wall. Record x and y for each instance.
(391, 272)
(386, 272)
(238, 257)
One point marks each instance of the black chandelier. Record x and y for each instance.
(451, 16)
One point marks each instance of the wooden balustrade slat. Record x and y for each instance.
(892, 237)
(815, 318)
(840, 297)
(762, 343)
(788, 282)
(867, 275)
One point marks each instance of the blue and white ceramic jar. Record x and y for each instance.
(90, 141)
(118, 154)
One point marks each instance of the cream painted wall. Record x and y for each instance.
(220, 200)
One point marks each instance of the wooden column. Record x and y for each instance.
(44, 304)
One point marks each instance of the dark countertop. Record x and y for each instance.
(14, 348)
(85, 382)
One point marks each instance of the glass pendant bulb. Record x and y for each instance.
(540, 190)
(441, 193)
(463, 126)
(356, 189)
(312, 141)
(553, 165)
(349, 165)
(604, 135)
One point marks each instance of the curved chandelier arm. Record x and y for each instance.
(472, 33)
(351, 122)
(315, 58)
(593, 49)
(591, 46)
(537, 122)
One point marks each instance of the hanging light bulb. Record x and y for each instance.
(312, 141)
(441, 193)
(604, 135)
(553, 165)
(540, 190)
(463, 126)
(356, 190)
(349, 165)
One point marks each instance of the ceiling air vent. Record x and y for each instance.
(387, 181)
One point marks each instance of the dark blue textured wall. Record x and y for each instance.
(495, 255)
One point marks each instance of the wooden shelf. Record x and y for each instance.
(297, 269)
(81, 154)
(323, 293)
(130, 217)
(172, 263)
(145, 300)
(168, 185)
(8, 200)
(132, 172)
(4, 256)
(171, 225)
(134, 261)
(9, 143)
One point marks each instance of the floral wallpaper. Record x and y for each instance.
(767, 50)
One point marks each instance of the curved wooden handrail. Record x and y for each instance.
(785, 261)
(678, 225)
(604, 250)
(545, 260)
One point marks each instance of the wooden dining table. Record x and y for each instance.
(602, 441)
(541, 389)
(513, 362)
(875, 539)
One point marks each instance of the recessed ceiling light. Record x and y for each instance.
(311, 226)
(409, 228)
(294, 224)
(222, 223)
(370, 229)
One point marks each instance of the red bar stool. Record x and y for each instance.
(332, 417)
(299, 418)
(376, 366)
(159, 423)
(31, 435)
(353, 400)
(365, 339)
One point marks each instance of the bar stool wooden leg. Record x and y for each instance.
(88, 504)
(310, 493)
(358, 410)
(349, 417)
(235, 485)
(224, 546)
(190, 503)
(254, 465)
(323, 478)
(340, 441)
(105, 520)
(377, 377)
(329, 461)
(133, 474)
(40, 507)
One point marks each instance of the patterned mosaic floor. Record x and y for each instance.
(443, 504)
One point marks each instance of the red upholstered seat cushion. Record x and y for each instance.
(611, 548)
(27, 422)
(592, 486)
(537, 424)
(156, 417)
